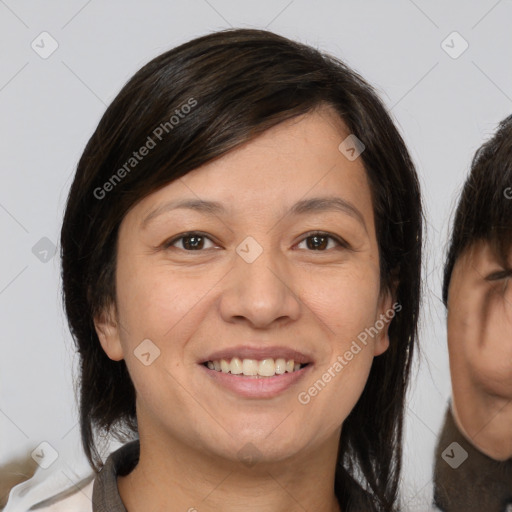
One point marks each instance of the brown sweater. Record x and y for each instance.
(467, 480)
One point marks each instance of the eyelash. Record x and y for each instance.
(341, 243)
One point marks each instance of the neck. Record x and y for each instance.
(176, 477)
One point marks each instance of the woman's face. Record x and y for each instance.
(251, 289)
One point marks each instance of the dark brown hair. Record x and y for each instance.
(243, 81)
(484, 211)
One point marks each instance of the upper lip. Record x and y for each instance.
(259, 353)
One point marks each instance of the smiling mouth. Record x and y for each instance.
(255, 368)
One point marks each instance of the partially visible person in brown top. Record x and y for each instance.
(479, 483)
(473, 466)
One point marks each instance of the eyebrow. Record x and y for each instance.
(302, 207)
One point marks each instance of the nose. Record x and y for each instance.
(260, 292)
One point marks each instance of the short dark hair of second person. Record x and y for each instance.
(484, 211)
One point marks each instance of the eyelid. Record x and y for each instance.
(499, 274)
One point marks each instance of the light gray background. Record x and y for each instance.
(444, 107)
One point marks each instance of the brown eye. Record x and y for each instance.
(192, 241)
(319, 241)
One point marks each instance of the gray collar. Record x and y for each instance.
(105, 494)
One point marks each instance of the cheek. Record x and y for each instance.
(493, 366)
(153, 302)
(334, 390)
(346, 309)
(347, 303)
(463, 312)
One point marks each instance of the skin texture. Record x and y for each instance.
(191, 303)
(480, 348)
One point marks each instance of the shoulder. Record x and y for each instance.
(73, 500)
(57, 492)
(72, 489)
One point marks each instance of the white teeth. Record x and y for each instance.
(252, 367)
(280, 366)
(267, 368)
(236, 366)
(224, 365)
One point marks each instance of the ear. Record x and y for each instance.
(107, 329)
(386, 313)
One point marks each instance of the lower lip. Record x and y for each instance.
(250, 387)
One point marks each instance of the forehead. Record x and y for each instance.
(295, 160)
